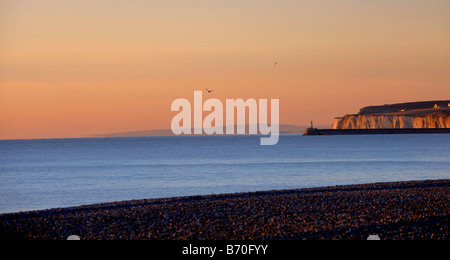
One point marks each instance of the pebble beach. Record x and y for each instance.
(417, 210)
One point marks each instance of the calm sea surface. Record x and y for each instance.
(41, 174)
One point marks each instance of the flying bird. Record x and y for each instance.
(209, 91)
(275, 64)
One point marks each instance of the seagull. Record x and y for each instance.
(209, 91)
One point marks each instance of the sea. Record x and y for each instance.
(56, 173)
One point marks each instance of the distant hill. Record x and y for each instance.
(283, 129)
(137, 133)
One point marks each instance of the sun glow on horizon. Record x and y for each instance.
(80, 68)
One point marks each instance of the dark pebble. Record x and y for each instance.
(404, 210)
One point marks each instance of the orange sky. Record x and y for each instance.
(86, 67)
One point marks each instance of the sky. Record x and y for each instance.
(86, 67)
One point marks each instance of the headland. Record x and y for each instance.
(428, 117)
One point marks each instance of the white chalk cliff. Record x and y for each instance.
(414, 115)
(388, 121)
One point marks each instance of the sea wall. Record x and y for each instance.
(433, 120)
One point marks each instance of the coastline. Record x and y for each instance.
(387, 131)
(399, 210)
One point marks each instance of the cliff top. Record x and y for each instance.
(412, 108)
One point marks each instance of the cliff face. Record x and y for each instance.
(432, 120)
(425, 114)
